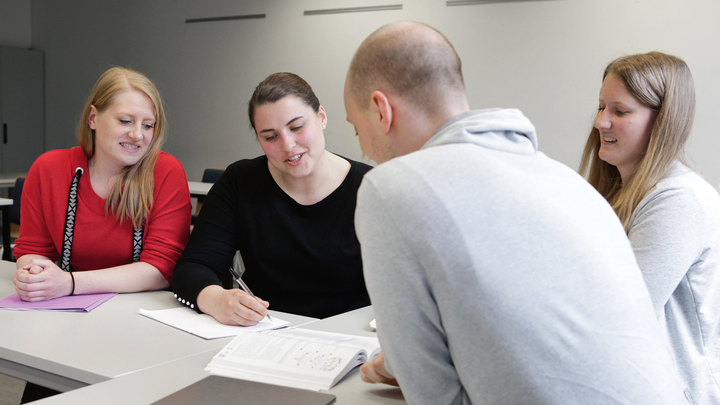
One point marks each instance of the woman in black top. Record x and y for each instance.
(290, 213)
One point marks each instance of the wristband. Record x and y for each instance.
(73, 282)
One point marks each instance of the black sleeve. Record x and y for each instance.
(212, 244)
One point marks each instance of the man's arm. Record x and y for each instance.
(409, 326)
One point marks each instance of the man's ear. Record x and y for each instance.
(380, 103)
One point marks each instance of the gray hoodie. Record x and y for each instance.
(499, 276)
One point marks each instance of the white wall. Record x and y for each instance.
(544, 57)
(15, 26)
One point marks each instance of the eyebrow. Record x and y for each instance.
(124, 113)
(612, 103)
(288, 123)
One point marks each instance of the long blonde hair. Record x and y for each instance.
(664, 84)
(132, 196)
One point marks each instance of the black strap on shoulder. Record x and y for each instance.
(70, 226)
(137, 244)
(70, 220)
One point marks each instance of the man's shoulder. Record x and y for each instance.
(409, 180)
(397, 170)
(436, 161)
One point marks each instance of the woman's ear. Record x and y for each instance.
(383, 110)
(92, 117)
(323, 116)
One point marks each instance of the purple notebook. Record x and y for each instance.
(73, 303)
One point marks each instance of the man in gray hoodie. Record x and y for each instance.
(497, 275)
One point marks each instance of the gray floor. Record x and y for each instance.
(11, 390)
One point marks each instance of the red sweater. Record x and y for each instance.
(100, 241)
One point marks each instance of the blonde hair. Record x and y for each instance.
(132, 196)
(664, 84)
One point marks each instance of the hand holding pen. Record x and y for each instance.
(244, 286)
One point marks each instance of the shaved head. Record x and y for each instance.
(411, 60)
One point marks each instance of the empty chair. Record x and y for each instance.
(15, 209)
(210, 175)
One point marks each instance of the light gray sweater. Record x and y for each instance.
(675, 233)
(499, 276)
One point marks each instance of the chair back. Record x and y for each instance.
(16, 196)
(210, 175)
(15, 208)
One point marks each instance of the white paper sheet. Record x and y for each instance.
(205, 326)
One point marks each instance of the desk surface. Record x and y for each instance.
(65, 350)
(150, 385)
(109, 349)
(198, 188)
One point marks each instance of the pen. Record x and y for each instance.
(244, 286)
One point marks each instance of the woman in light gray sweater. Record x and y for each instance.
(634, 157)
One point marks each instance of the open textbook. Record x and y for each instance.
(298, 358)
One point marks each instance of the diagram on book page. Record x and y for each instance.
(315, 356)
(291, 353)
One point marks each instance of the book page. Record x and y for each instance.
(297, 357)
(368, 344)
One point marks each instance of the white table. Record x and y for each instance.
(198, 188)
(148, 386)
(8, 179)
(65, 351)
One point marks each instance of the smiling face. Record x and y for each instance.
(123, 131)
(291, 135)
(624, 124)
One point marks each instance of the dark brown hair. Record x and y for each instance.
(280, 85)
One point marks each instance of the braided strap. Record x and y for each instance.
(70, 220)
(137, 244)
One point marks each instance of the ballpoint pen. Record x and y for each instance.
(244, 287)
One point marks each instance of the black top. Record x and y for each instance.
(303, 259)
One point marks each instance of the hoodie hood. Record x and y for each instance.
(506, 130)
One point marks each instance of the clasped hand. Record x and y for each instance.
(42, 280)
